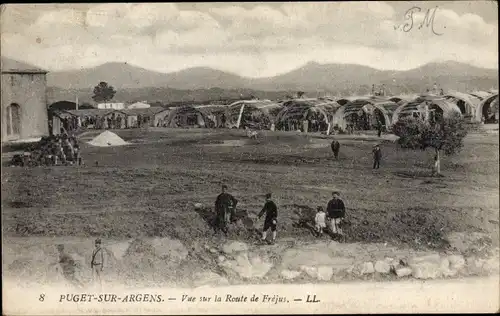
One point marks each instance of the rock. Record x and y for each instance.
(325, 273)
(290, 274)
(382, 267)
(491, 265)
(166, 248)
(426, 270)
(213, 250)
(221, 259)
(118, 249)
(426, 258)
(234, 247)
(365, 268)
(245, 268)
(209, 278)
(404, 271)
(457, 262)
(474, 266)
(310, 271)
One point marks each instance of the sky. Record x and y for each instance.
(251, 39)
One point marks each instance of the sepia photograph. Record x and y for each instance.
(250, 157)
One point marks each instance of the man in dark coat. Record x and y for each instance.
(377, 156)
(335, 148)
(225, 206)
(379, 129)
(336, 213)
(271, 220)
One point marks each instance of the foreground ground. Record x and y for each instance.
(148, 190)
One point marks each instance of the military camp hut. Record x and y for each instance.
(88, 118)
(139, 117)
(215, 113)
(467, 103)
(426, 107)
(487, 110)
(308, 115)
(365, 114)
(188, 116)
(254, 114)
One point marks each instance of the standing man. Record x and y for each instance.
(97, 262)
(271, 220)
(336, 213)
(379, 129)
(225, 206)
(377, 156)
(335, 148)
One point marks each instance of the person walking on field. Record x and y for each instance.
(336, 213)
(225, 206)
(377, 156)
(335, 148)
(97, 262)
(271, 211)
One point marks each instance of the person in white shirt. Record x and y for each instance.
(320, 223)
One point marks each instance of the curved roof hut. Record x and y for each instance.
(417, 108)
(318, 111)
(258, 114)
(488, 109)
(188, 116)
(467, 103)
(481, 95)
(380, 109)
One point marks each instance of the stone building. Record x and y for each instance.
(24, 101)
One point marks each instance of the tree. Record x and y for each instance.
(103, 92)
(300, 94)
(445, 135)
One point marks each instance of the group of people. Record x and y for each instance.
(377, 153)
(225, 206)
(53, 150)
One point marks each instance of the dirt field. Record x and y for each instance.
(148, 189)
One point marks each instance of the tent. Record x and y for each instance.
(487, 110)
(141, 117)
(365, 113)
(426, 107)
(186, 116)
(306, 114)
(216, 113)
(467, 103)
(256, 114)
(481, 95)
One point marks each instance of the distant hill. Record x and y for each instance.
(201, 84)
(311, 77)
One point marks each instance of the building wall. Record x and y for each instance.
(115, 106)
(29, 92)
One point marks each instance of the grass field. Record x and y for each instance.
(149, 188)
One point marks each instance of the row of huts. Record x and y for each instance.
(305, 114)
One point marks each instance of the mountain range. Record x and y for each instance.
(135, 83)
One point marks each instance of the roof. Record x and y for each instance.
(468, 98)
(14, 66)
(480, 94)
(144, 111)
(88, 112)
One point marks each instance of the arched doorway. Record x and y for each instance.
(13, 116)
(436, 113)
(490, 112)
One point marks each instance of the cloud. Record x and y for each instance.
(253, 40)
